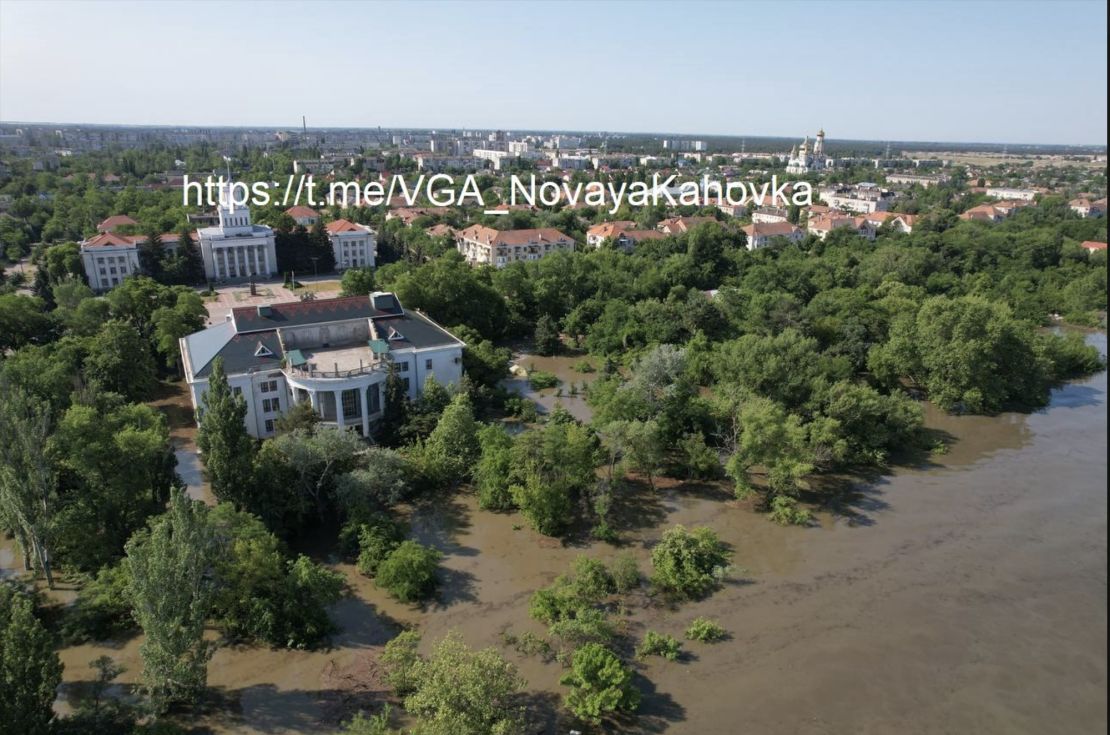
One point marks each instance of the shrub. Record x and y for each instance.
(102, 609)
(705, 630)
(409, 572)
(399, 659)
(540, 380)
(600, 684)
(376, 541)
(592, 581)
(786, 512)
(699, 459)
(688, 563)
(584, 366)
(587, 625)
(659, 644)
(626, 573)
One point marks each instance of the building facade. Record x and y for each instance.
(353, 245)
(481, 245)
(334, 354)
(109, 258)
(235, 248)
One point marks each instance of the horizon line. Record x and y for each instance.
(594, 133)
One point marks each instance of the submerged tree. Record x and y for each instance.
(172, 590)
(30, 670)
(28, 500)
(222, 438)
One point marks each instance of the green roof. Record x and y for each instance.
(378, 346)
(296, 359)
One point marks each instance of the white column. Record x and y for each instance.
(256, 259)
(314, 399)
(266, 258)
(365, 413)
(338, 407)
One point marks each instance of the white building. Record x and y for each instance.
(334, 354)
(354, 245)
(235, 248)
(1006, 192)
(803, 160)
(498, 159)
(481, 245)
(303, 216)
(762, 234)
(109, 258)
(861, 198)
(921, 180)
(1085, 207)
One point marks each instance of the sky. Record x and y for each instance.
(1004, 72)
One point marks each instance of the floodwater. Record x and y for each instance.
(968, 595)
(570, 394)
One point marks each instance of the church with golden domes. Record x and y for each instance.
(803, 160)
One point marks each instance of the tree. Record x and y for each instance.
(600, 684)
(546, 336)
(172, 590)
(171, 323)
(409, 572)
(494, 468)
(688, 563)
(452, 448)
(458, 691)
(119, 361)
(23, 320)
(28, 496)
(30, 670)
(357, 282)
(222, 438)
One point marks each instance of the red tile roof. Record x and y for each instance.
(342, 225)
(116, 220)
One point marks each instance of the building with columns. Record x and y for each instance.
(235, 248)
(334, 354)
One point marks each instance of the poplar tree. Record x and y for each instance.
(30, 670)
(222, 437)
(172, 593)
(28, 483)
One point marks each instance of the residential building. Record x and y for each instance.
(1085, 207)
(1092, 246)
(334, 354)
(995, 212)
(236, 248)
(680, 225)
(916, 180)
(862, 198)
(109, 258)
(898, 222)
(821, 226)
(303, 216)
(481, 245)
(622, 234)
(606, 231)
(1006, 192)
(115, 222)
(770, 214)
(761, 234)
(354, 245)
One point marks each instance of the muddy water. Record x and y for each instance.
(563, 367)
(964, 596)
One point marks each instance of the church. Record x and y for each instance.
(804, 161)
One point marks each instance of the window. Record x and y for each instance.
(271, 405)
(352, 408)
(237, 391)
(269, 426)
(374, 399)
(269, 386)
(405, 381)
(428, 364)
(403, 367)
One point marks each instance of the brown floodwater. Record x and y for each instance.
(964, 595)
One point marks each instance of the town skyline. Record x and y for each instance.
(746, 71)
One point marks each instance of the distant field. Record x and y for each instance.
(993, 159)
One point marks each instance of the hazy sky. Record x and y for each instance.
(985, 72)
